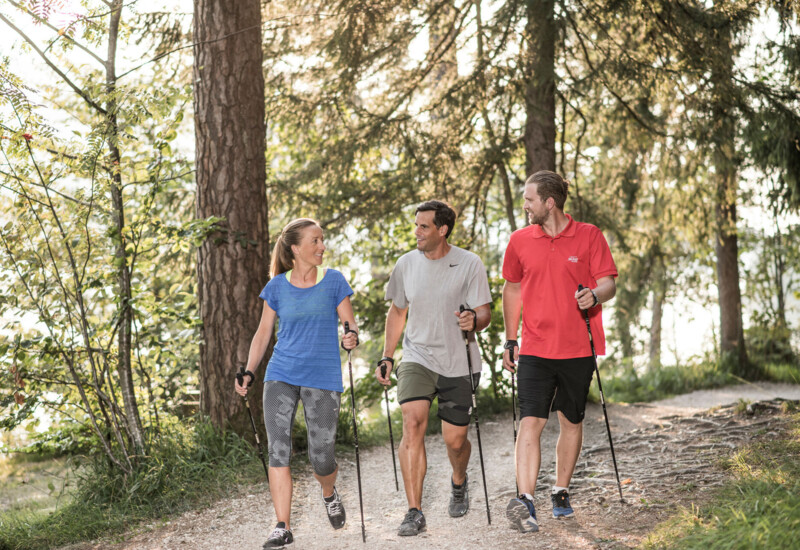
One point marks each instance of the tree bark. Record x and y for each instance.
(540, 99)
(232, 264)
(659, 296)
(732, 346)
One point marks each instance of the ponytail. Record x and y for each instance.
(282, 255)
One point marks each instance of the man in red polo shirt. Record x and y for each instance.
(544, 264)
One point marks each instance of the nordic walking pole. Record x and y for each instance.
(461, 309)
(602, 397)
(240, 377)
(514, 403)
(355, 434)
(389, 420)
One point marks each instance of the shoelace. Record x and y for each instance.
(334, 508)
(459, 493)
(278, 533)
(410, 517)
(562, 500)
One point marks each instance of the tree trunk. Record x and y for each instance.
(655, 325)
(732, 347)
(445, 72)
(124, 350)
(232, 264)
(540, 99)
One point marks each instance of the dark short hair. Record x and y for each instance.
(442, 214)
(549, 184)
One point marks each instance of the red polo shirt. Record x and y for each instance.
(550, 270)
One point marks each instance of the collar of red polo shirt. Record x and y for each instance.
(569, 231)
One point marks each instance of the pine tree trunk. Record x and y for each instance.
(540, 99)
(732, 347)
(232, 264)
(655, 328)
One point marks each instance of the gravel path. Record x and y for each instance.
(667, 453)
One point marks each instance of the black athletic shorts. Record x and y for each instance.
(554, 384)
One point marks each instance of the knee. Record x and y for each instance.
(323, 459)
(414, 427)
(567, 426)
(457, 445)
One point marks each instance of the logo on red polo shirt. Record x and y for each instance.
(573, 259)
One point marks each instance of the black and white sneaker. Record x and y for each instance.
(413, 524)
(280, 537)
(335, 509)
(459, 499)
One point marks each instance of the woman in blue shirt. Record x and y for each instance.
(309, 303)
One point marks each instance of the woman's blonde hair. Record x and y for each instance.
(282, 255)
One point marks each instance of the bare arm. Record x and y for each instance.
(395, 322)
(512, 307)
(605, 290)
(258, 346)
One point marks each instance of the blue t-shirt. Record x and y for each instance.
(307, 351)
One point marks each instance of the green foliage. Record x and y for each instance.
(96, 243)
(624, 384)
(758, 508)
(68, 439)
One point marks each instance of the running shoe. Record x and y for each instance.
(521, 515)
(459, 499)
(561, 506)
(335, 510)
(280, 537)
(413, 524)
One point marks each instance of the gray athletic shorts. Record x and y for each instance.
(416, 382)
(321, 412)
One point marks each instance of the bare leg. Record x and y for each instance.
(280, 487)
(529, 452)
(327, 482)
(413, 461)
(568, 449)
(458, 450)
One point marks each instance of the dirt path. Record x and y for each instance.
(667, 454)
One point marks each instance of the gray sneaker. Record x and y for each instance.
(459, 499)
(279, 537)
(413, 524)
(335, 510)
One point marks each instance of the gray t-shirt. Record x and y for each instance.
(432, 290)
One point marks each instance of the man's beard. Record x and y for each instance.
(539, 220)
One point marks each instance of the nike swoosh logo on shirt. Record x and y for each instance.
(453, 265)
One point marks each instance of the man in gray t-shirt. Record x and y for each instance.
(427, 286)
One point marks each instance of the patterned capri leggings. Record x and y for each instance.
(321, 411)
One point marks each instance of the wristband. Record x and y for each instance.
(385, 359)
(510, 345)
(240, 377)
(596, 301)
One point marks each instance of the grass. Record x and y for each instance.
(624, 384)
(186, 467)
(758, 508)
